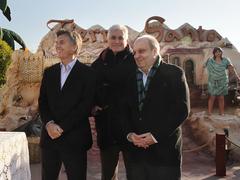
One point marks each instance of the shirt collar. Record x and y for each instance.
(155, 65)
(121, 53)
(69, 66)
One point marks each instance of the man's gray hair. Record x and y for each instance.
(153, 43)
(115, 27)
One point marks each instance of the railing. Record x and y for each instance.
(198, 148)
(223, 147)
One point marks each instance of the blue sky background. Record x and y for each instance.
(29, 17)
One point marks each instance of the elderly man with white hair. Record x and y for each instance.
(113, 66)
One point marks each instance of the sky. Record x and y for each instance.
(29, 17)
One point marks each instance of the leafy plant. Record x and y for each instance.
(5, 58)
(8, 35)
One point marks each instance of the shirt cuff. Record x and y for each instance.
(154, 139)
(128, 137)
(49, 122)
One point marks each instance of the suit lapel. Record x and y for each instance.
(134, 90)
(57, 77)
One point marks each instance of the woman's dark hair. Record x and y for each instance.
(215, 50)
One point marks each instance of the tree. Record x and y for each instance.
(8, 35)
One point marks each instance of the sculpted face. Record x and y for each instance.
(144, 55)
(117, 41)
(64, 47)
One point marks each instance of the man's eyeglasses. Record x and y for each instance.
(120, 38)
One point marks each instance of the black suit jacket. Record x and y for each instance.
(69, 107)
(112, 72)
(165, 107)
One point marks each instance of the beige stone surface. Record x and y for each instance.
(204, 129)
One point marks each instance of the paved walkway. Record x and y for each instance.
(196, 165)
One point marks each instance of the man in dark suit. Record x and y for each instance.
(65, 101)
(157, 103)
(113, 67)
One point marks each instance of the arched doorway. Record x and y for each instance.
(175, 60)
(189, 71)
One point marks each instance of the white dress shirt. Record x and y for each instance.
(65, 71)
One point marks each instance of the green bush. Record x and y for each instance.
(5, 59)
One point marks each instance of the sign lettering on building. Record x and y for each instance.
(169, 35)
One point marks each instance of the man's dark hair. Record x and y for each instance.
(74, 37)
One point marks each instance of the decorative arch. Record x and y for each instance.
(175, 60)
